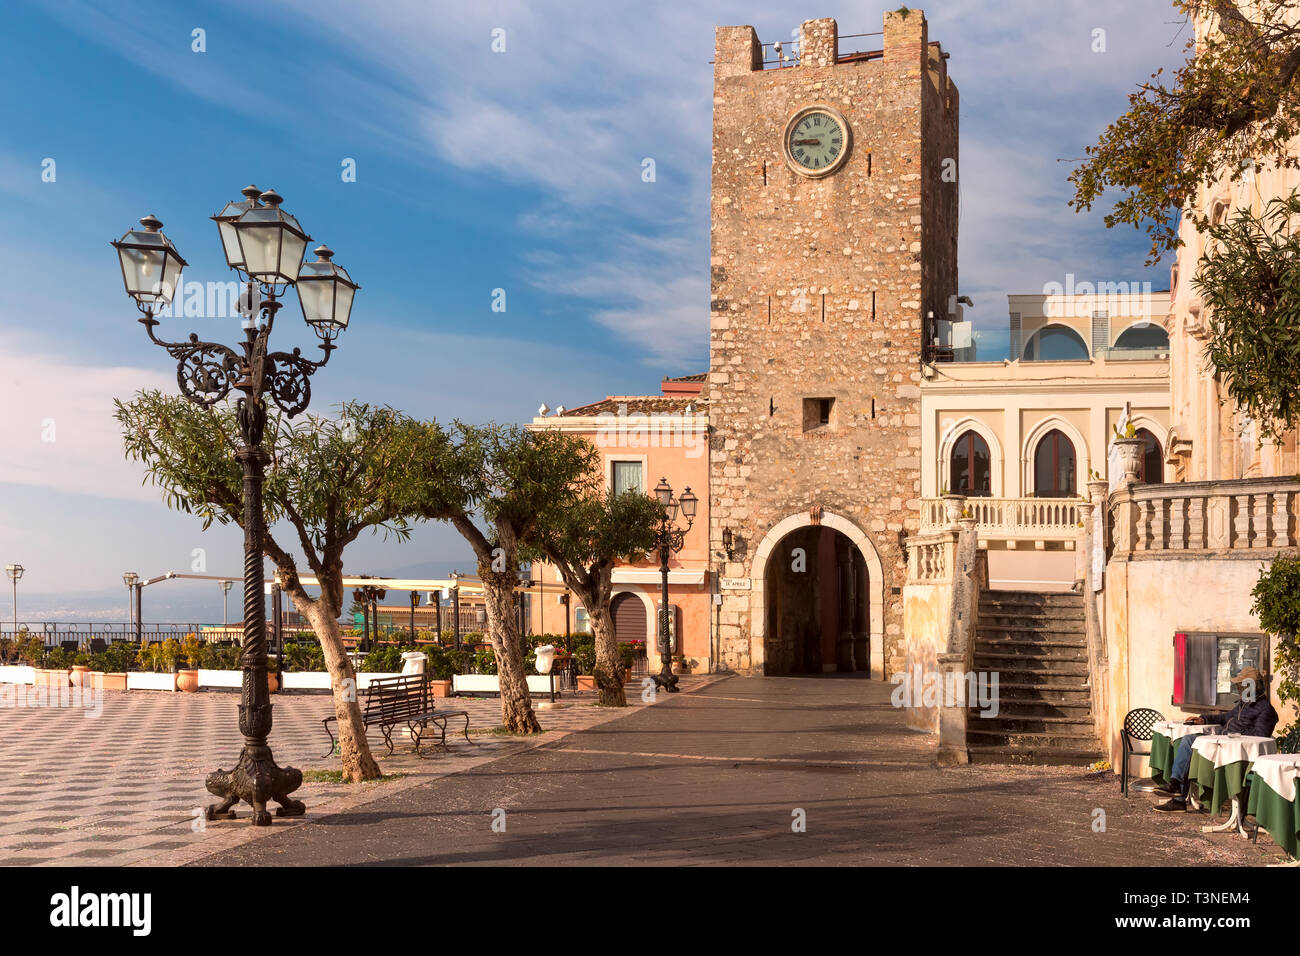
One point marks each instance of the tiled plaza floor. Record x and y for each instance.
(126, 787)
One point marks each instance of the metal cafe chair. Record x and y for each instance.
(1138, 728)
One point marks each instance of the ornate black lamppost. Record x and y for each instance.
(669, 538)
(265, 246)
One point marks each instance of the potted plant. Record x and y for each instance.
(952, 505)
(628, 653)
(51, 666)
(679, 664)
(1130, 449)
(80, 669)
(187, 678)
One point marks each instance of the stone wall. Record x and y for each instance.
(819, 290)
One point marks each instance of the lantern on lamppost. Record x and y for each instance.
(415, 602)
(265, 247)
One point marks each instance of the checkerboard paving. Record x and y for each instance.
(125, 786)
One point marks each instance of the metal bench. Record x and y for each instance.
(404, 699)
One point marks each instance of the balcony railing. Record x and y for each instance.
(1010, 518)
(1208, 516)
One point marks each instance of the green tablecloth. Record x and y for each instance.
(1163, 751)
(1272, 811)
(1221, 784)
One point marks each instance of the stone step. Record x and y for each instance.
(1010, 646)
(1016, 707)
(1047, 693)
(1003, 723)
(1064, 739)
(1009, 681)
(1029, 755)
(1009, 664)
(1030, 611)
(1031, 637)
(1044, 599)
(1062, 622)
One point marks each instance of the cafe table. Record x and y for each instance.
(1275, 798)
(1220, 763)
(1165, 735)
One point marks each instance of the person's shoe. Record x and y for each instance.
(1172, 806)
(1167, 789)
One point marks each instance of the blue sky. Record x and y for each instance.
(475, 170)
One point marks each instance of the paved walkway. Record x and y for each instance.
(719, 775)
(124, 785)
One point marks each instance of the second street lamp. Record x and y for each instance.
(669, 539)
(129, 578)
(415, 602)
(14, 572)
(270, 245)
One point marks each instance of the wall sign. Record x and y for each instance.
(736, 584)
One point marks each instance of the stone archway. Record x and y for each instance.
(758, 617)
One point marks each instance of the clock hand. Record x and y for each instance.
(807, 142)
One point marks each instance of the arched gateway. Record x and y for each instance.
(822, 610)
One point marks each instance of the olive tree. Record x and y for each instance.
(372, 469)
(584, 536)
(509, 479)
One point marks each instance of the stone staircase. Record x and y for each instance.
(1037, 645)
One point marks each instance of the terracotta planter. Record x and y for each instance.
(187, 680)
(51, 678)
(586, 682)
(101, 680)
(681, 667)
(272, 683)
(440, 688)
(78, 675)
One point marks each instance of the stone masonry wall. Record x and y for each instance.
(819, 287)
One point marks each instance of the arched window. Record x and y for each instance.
(1143, 337)
(1054, 467)
(970, 467)
(1152, 471)
(1055, 343)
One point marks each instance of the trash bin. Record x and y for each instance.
(413, 662)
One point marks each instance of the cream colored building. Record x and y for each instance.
(1020, 437)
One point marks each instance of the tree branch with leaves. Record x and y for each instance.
(329, 480)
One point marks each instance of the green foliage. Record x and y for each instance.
(57, 659)
(160, 657)
(1249, 279)
(628, 653)
(1232, 104)
(300, 656)
(330, 479)
(1277, 605)
(1130, 431)
(584, 653)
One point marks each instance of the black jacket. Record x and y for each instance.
(1256, 718)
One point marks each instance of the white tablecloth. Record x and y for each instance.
(1176, 729)
(1279, 773)
(1223, 749)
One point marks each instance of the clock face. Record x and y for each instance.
(816, 141)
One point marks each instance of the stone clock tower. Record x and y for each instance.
(834, 215)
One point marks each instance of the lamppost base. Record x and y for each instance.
(667, 681)
(256, 779)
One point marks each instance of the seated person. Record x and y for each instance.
(1250, 718)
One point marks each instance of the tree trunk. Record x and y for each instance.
(609, 662)
(503, 629)
(354, 750)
